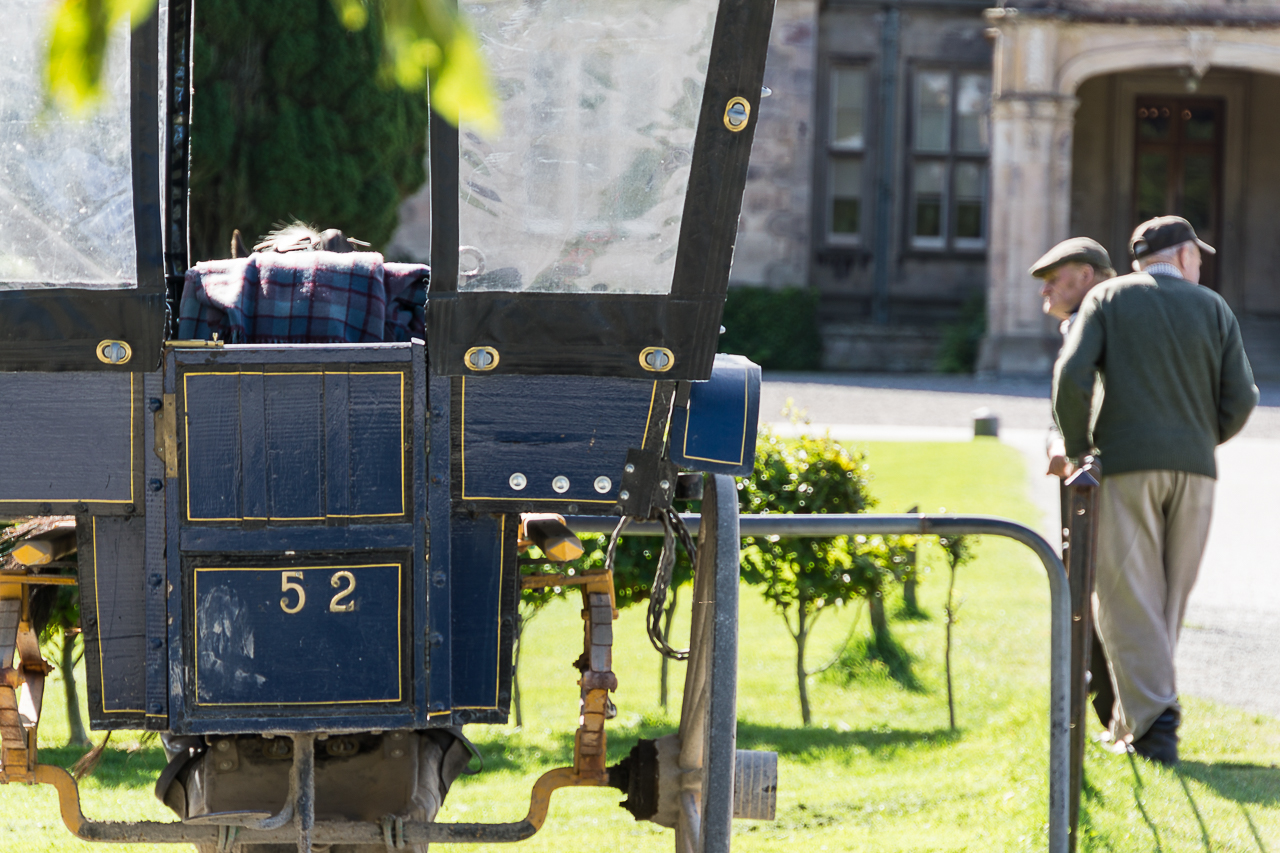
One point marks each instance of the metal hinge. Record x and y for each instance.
(166, 440)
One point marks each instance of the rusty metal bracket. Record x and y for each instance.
(20, 711)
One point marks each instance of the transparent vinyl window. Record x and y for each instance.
(66, 182)
(582, 188)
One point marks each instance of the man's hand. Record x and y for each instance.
(1060, 466)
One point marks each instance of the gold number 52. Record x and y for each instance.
(287, 585)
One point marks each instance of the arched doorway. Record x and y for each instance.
(1098, 126)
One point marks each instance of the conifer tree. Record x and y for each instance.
(293, 119)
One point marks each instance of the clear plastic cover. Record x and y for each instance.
(582, 188)
(66, 184)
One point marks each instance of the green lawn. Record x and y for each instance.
(879, 770)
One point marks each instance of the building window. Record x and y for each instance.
(846, 147)
(948, 175)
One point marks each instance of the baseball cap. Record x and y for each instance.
(1078, 249)
(1161, 233)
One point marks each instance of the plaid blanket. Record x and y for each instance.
(304, 298)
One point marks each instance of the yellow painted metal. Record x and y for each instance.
(166, 435)
(68, 794)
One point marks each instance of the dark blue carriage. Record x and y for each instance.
(298, 550)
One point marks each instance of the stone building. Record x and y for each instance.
(919, 151)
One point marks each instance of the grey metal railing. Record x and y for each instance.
(941, 525)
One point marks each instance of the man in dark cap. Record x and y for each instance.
(1067, 272)
(1176, 384)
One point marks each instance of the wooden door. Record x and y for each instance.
(1177, 166)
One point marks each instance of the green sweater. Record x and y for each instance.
(1175, 381)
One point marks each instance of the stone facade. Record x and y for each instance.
(773, 231)
(1067, 79)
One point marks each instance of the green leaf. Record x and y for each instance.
(78, 46)
(427, 45)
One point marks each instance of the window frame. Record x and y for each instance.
(835, 152)
(948, 243)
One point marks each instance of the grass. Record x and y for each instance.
(879, 770)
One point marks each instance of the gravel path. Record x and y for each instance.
(1230, 647)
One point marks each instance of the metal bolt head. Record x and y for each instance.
(664, 484)
(630, 469)
(224, 745)
(397, 753)
(623, 495)
(224, 765)
(517, 481)
(603, 484)
(560, 484)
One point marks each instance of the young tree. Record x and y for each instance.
(908, 573)
(958, 551)
(295, 118)
(64, 624)
(893, 559)
(805, 577)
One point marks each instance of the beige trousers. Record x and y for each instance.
(1152, 529)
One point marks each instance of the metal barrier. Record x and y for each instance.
(1060, 682)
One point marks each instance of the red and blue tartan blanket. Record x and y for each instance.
(304, 298)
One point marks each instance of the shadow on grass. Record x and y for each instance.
(872, 659)
(797, 743)
(908, 613)
(815, 744)
(118, 768)
(1255, 784)
(1142, 809)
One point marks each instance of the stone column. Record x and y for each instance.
(1030, 211)
(1031, 127)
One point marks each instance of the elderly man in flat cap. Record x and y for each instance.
(1176, 383)
(1067, 272)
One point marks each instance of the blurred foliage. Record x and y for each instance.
(962, 339)
(292, 121)
(777, 329)
(424, 44)
(78, 46)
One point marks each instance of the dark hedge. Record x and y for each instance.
(777, 329)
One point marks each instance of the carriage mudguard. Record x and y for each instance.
(715, 429)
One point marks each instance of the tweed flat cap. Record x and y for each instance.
(1161, 233)
(1078, 249)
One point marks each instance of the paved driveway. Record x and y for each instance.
(1230, 649)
